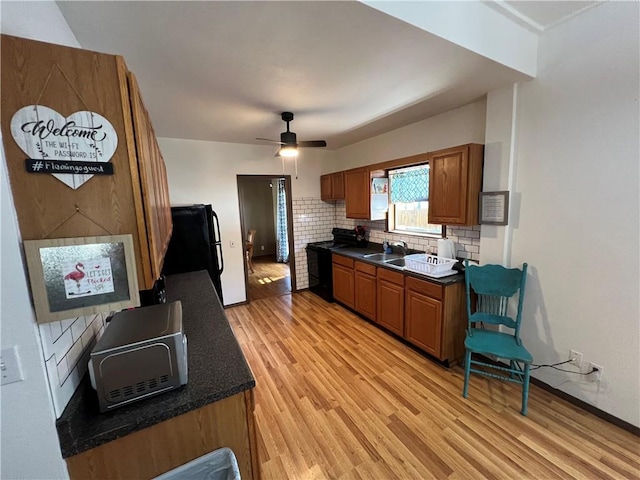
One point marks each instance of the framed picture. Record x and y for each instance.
(494, 208)
(81, 276)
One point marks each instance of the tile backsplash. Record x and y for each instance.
(313, 220)
(66, 346)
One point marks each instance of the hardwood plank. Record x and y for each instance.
(336, 397)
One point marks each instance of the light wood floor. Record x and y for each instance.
(269, 278)
(338, 398)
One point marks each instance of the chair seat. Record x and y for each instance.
(489, 342)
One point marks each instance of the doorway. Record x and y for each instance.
(266, 209)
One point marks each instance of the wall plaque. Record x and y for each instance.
(73, 149)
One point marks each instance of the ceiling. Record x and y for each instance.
(223, 71)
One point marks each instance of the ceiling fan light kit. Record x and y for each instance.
(289, 140)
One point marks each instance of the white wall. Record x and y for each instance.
(29, 441)
(576, 214)
(205, 172)
(456, 127)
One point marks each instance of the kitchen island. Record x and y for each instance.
(152, 436)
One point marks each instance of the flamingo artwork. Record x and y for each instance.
(76, 275)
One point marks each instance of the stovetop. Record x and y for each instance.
(327, 244)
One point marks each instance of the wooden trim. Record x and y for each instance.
(587, 407)
(126, 81)
(250, 406)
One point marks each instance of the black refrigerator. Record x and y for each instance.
(195, 243)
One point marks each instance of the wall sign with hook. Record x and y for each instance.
(73, 149)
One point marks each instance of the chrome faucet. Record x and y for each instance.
(402, 245)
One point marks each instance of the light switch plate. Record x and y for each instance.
(10, 369)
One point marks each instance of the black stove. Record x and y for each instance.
(319, 260)
(327, 245)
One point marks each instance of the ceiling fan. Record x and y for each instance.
(289, 141)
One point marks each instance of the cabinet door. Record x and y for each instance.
(153, 181)
(365, 293)
(356, 185)
(343, 285)
(325, 187)
(337, 186)
(455, 179)
(391, 306)
(424, 322)
(70, 80)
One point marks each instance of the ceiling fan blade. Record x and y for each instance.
(269, 140)
(313, 143)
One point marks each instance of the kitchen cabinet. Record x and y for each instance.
(455, 181)
(356, 186)
(435, 318)
(164, 446)
(332, 186)
(365, 289)
(390, 286)
(83, 93)
(153, 182)
(358, 194)
(343, 280)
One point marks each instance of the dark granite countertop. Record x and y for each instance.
(217, 370)
(359, 254)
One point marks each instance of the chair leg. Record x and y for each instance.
(512, 366)
(467, 367)
(525, 389)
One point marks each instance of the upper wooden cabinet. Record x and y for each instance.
(79, 92)
(357, 197)
(332, 186)
(153, 181)
(455, 181)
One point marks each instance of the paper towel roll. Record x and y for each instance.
(446, 248)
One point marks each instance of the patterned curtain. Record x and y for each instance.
(409, 184)
(282, 239)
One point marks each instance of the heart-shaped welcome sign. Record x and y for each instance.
(44, 134)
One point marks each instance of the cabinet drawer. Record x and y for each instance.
(391, 276)
(366, 268)
(340, 260)
(424, 287)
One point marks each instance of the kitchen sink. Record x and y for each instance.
(383, 257)
(398, 262)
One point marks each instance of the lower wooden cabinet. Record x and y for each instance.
(365, 289)
(162, 447)
(391, 300)
(424, 322)
(430, 315)
(343, 280)
(435, 318)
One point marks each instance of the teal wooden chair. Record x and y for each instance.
(494, 286)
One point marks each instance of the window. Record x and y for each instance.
(409, 201)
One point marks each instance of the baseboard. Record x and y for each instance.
(587, 407)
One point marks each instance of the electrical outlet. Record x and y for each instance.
(575, 358)
(262, 247)
(597, 375)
